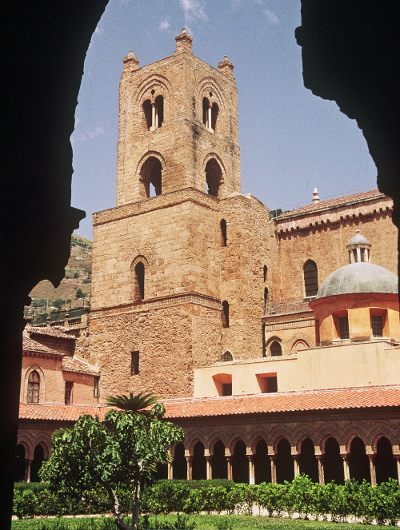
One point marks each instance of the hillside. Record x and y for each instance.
(77, 276)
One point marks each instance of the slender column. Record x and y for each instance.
(209, 467)
(28, 464)
(153, 117)
(397, 457)
(358, 254)
(209, 117)
(229, 463)
(252, 478)
(321, 473)
(296, 465)
(346, 469)
(273, 468)
(170, 471)
(372, 469)
(156, 120)
(189, 472)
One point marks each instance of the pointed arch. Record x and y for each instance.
(138, 278)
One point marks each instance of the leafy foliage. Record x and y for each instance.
(134, 403)
(123, 450)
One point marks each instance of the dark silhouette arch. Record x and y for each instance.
(225, 314)
(385, 462)
(262, 463)
(240, 463)
(151, 175)
(307, 460)
(284, 462)
(179, 463)
(218, 461)
(333, 463)
(199, 462)
(213, 177)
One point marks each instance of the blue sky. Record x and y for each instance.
(291, 141)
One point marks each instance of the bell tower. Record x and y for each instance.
(177, 279)
(178, 127)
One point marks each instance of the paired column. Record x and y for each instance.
(321, 473)
(28, 464)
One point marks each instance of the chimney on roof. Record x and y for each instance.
(315, 198)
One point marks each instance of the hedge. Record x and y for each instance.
(380, 503)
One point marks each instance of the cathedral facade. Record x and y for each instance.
(273, 340)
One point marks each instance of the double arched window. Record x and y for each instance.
(210, 113)
(154, 112)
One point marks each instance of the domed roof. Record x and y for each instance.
(359, 277)
(358, 239)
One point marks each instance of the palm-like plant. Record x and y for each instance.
(137, 404)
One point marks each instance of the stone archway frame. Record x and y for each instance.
(210, 156)
(272, 339)
(42, 385)
(205, 86)
(298, 337)
(149, 154)
(162, 87)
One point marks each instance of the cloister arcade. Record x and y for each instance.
(258, 460)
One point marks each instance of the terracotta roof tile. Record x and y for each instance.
(58, 412)
(50, 332)
(74, 364)
(336, 399)
(365, 397)
(30, 345)
(331, 203)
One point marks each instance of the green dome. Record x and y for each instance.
(359, 277)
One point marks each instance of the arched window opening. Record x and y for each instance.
(139, 281)
(33, 387)
(159, 105)
(262, 465)
(310, 271)
(307, 460)
(225, 314)
(214, 116)
(385, 462)
(265, 273)
(19, 473)
(284, 462)
(218, 461)
(179, 464)
(227, 356)
(199, 462)
(151, 176)
(333, 463)
(240, 463)
(358, 461)
(38, 458)
(213, 177)
(206, 113)
(147, 113)
(223, 232)
(275, 349)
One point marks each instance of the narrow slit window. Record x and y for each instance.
(139, 277)
(310, 278)
(135, 363)
(223, 232)
(225, 314)
(68, 392)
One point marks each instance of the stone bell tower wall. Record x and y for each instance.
(182, 142)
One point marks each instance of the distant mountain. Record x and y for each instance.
(73, 289)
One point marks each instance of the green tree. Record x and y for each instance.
(79, 294)
(58, 303)
(136, 404)
(123, 450)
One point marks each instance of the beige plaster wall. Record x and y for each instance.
(345, 365)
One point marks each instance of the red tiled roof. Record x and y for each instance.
(30, 345)
(51, 332)
(74, 364)
(332, 203)
(337, 399)
(58, 412)
(349, 398)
